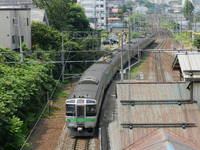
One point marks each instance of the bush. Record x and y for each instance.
(22, 93)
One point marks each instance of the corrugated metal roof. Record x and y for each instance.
(190, 65)
(162, 139)
(122, 138)
(190, 61)
(153, 91)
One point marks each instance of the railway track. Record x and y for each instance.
(66, 142)
(81, 144)
(77, 144)
(159, 70)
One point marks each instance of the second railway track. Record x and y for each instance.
(159, 70)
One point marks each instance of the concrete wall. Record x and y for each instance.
(196, 92)
(9, 28)
(5, 30)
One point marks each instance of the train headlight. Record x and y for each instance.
(79, 129)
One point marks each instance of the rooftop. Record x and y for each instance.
(39, 15)
(156, 91)
(189, 65)
(141, 124)
(196, 4)
(162, 139)
(15, 4)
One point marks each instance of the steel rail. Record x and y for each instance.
(158, 125)
(157, 102)
(81, 144)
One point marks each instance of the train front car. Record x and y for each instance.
(81, 116)
(82, 108)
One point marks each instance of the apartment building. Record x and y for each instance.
(15, 23)
(95, 10)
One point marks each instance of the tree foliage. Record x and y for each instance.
(138, 21)
(188, 10)
(45, 37)
(197, 41)
(65, 15)
(22, 93)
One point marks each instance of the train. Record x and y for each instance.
(84, 104)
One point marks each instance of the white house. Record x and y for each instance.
(15, 23)
(39, 15)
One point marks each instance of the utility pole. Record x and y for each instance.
(122, 47)
(95, 15)
(129, 45)
(20, 41)
(63, 59)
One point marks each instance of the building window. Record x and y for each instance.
(13, 39)
(101, 6)
(102, 18)
(22, 38)
(15, 21)
(27, 21)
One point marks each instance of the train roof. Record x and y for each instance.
(85, 90)
(89, 82)
(94, 72)
(139, 126)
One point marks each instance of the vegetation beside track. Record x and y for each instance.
(24, 86)
(136, 69)
(23, 93)
(184, 38)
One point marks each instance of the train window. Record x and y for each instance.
(91, 110)
(80, 111)
(70, 110)
(90, 101)
(70, 101)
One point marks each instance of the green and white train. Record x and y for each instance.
(84, 105)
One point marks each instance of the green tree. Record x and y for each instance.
(197, 41)
(138, 20)
(65, 15)
(45, 37)
(22, 93)
(188, 10)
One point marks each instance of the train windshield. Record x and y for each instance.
(80, 111)
(91, 110)
(70, 110)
